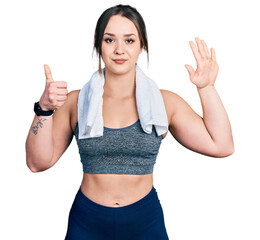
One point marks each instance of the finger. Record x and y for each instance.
(200, 47)
(61, 98)
(195, 51)
(60, 103)
(61, 84)
(48, 75)
(190, 70)
(62, 91)
(213, 54)
(205, 48)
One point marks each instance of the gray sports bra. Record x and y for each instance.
(127, 150)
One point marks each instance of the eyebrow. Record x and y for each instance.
(126, 35)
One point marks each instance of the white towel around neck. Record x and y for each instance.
(150, 105)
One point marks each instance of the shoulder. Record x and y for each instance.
(168, 95)
(68, 111)
(72, 101)
(73, 95)
(72, 98)
(68, 107)
(172, 102)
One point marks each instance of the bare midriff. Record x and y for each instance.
(116, 190)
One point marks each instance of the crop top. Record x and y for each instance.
(127, 150)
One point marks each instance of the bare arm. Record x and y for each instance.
(211, 134)
(49, 136)
(216, 120)
(39, 143)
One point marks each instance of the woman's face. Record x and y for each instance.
(120, 45)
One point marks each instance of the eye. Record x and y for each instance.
(108, 40)
(130, 40)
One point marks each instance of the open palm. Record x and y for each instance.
(207, 67)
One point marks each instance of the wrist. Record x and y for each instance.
(41, 112)
(43, 107)
(206, 88)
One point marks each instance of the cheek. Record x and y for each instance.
(103, 50)
(107, 50)
(134, 52)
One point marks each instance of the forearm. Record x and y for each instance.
(39, 143)
(216, 119)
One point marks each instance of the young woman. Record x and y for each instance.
(125, 206)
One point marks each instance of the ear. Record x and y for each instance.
(141, 50)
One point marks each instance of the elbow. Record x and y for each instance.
(34, 170)
(225, 151)
(37, 162)
(35, 167)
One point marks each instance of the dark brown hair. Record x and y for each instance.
(125, 11)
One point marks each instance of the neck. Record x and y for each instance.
(119, 86)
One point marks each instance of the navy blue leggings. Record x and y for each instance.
(142, 220)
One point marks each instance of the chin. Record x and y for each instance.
(120, 69)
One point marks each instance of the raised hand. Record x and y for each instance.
(207, 67)
(55, 93)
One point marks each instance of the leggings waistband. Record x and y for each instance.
(150, 198)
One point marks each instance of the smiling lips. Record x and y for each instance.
(120, 61)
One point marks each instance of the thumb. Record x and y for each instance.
(48, 75)
(190, 70)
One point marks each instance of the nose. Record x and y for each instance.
(119, 49)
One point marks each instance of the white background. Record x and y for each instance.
(202, 197)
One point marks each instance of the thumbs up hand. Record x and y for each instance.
(55, 93)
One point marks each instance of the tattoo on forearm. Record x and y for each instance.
(38, 125)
